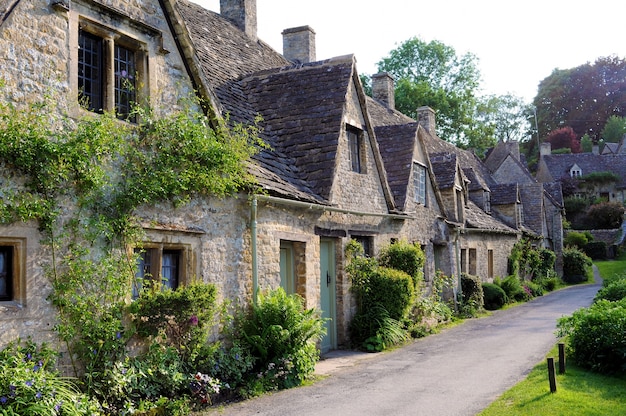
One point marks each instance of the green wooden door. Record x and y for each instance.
(328, 293)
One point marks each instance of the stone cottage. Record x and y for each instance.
(340, 165)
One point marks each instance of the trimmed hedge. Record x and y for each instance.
(575, 264)
(494, 295)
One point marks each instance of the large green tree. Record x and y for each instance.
(584, 97)
(432, 74)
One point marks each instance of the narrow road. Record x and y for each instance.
(459, 371)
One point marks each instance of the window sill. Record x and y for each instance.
(10, 306)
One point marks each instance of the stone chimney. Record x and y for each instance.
(383, 89)
(242, 13)
(595, 148)
(545, 149)
(426, 118)
(299, 44)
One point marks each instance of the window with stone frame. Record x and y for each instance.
(163, 264)
(355, 144)
(12, 282)
(366, 242)
(419, 183)
(109, 69)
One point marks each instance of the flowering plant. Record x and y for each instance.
(28, 385)
(202, 386)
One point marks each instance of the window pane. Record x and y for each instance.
(124, 81)
(169, 268)
(354, 141)
(90, 70)
(143, 271)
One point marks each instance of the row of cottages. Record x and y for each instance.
(340, 166)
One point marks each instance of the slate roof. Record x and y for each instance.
(555, 192)
(477, 218)
(559, 165)
(504, 194)
(444, 168)
(301, 105)
(397, 143)
(532, 195)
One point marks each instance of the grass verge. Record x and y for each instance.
(579, 392)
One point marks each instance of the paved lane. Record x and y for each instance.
(457, 372)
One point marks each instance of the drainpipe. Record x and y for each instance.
(253, 238)
(459, 289)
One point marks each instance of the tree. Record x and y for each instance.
(564, 138)
(431, 74)
(614, 129)
(506, 114)
(583, 97)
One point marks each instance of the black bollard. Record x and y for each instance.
(561, 358)
(551, 375)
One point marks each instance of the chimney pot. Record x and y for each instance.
(426, 119)
(383, 89)
(299, 44)
(242, 13)
(545, 149)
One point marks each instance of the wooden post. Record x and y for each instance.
(551, 375)
(561, 358)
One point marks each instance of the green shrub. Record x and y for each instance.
(392, 289)
(575, 264)
(614, 291)
(281, 334)
(597, 336)
(29, 384)
(472, 298)
(575, 239)
(374, 330)
(495, 297)
(403, 256)
(513, 288)
(595, 249)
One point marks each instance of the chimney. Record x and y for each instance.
(299, 44)
(426, 118)
(595, 149)
(242, 13)
(383, 89)
(545, 149)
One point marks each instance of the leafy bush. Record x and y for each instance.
(403, 256)
(495, 297)
(595, 249)
(374, 330)
(472, 298)
(281, 334)
(513, 288)
(605, 215)
(576, 239)
(29, 385)
(614, 291)
(392, 289)
(597, 336)
(575, 264)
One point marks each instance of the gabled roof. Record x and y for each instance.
(396, 147)
(554, 192)
(444, 168)
(302, 109)
(610, 148)
(559, 165)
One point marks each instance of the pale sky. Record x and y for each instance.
(518, 43)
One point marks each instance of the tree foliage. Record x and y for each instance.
(564, 138)
(584, 97)
(614, 129)
(432, 74)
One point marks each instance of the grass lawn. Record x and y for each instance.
(609, 268)
(579, 393)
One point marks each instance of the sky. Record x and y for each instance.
(517, 43)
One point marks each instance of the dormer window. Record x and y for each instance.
(109, 67)
(575, 172)
(355, 143)
(419, 183)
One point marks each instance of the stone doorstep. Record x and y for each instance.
(339, 359)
